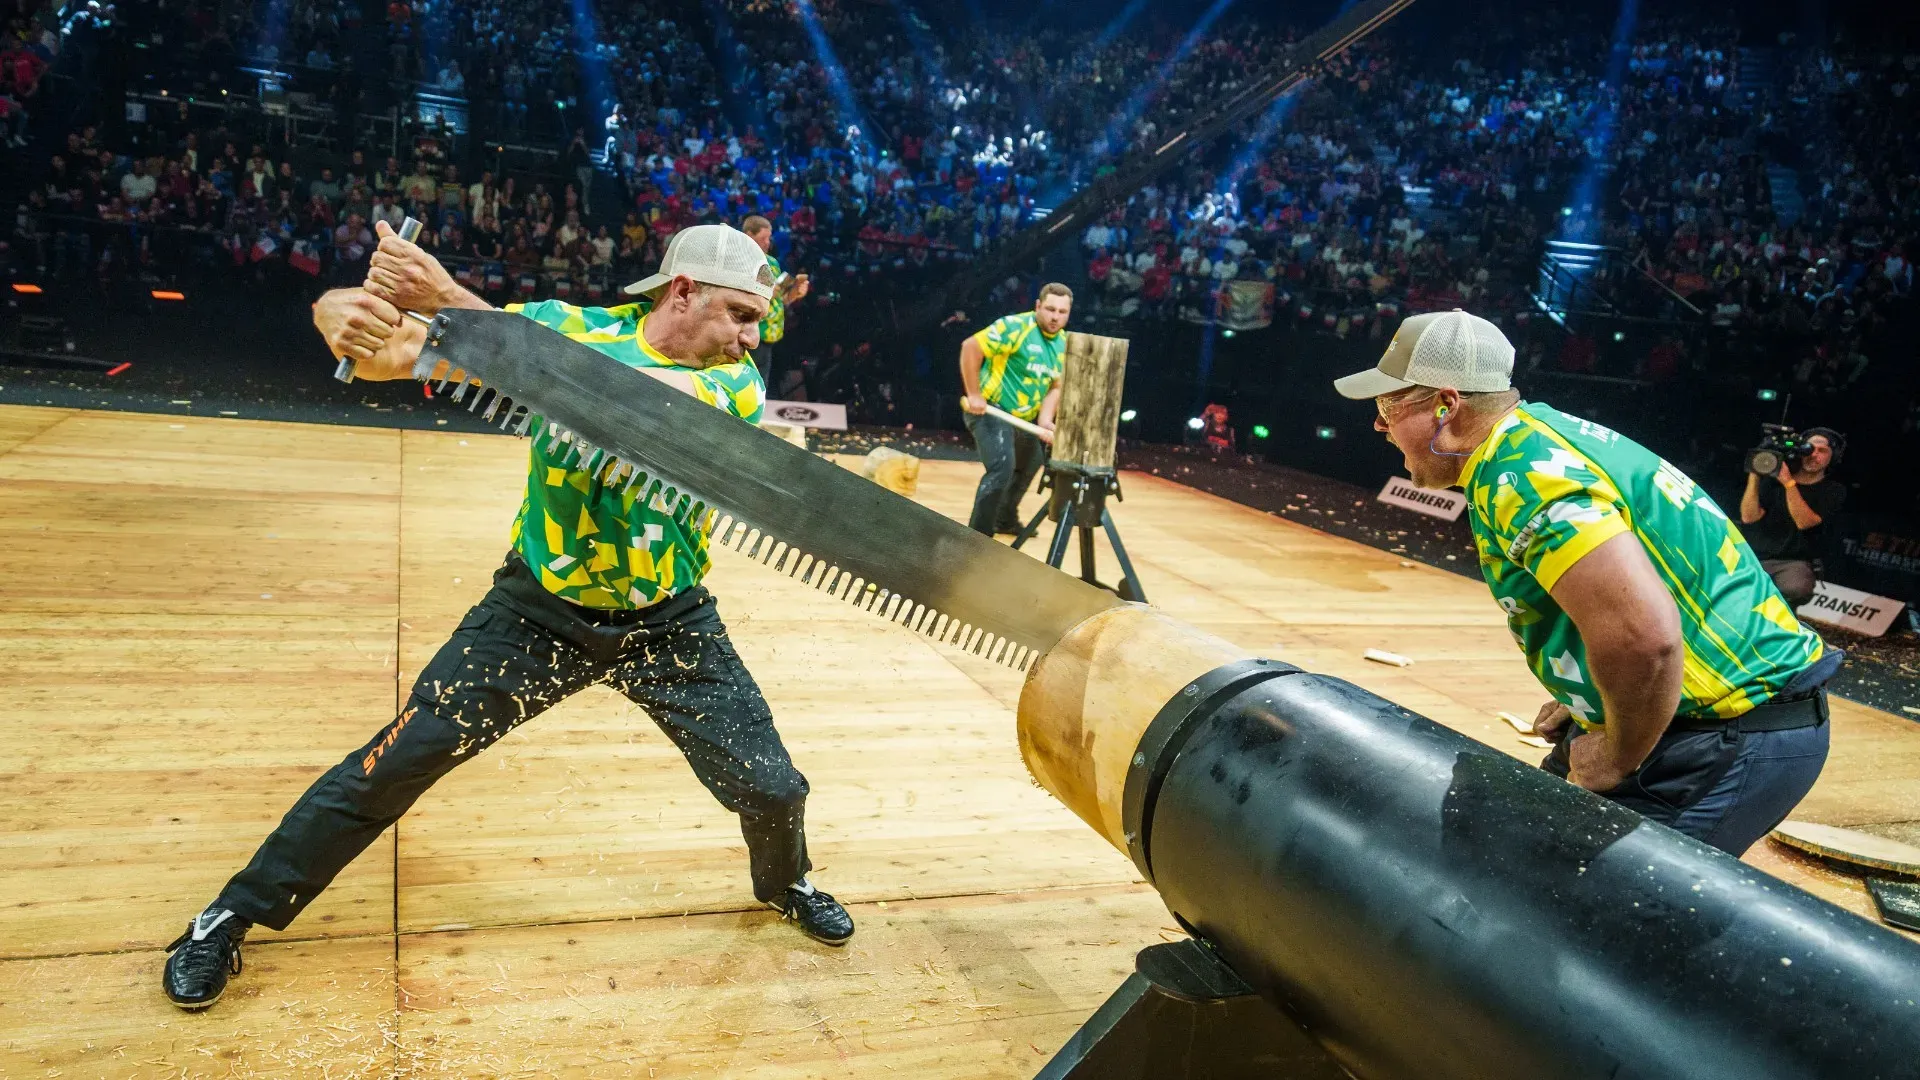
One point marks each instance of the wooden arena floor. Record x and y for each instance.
(198, 615)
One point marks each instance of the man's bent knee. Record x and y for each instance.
(1795, 581)
(781, 796)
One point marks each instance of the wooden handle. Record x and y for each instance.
(1024, 425)
(409, 231)
(1090, 698)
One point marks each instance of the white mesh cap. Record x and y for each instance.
(713, 255)
(1438, 349)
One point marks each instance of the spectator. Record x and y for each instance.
(136, 186)
(326, 187)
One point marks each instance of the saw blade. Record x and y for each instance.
(756, 493)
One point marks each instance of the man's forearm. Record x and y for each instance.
(396, 358)
(1802, 514)
(1750, 510)
(459, 297)
(1639, 687)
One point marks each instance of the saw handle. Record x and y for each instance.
(409, 231)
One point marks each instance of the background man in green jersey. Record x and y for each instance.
(1683, 687)
(598, 588)
(1014, 365)
(787, 289)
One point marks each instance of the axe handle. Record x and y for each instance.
(409, 231)
(1024, 425)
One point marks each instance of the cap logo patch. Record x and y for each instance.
(764, 276)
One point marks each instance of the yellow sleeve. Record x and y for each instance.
(999, 338)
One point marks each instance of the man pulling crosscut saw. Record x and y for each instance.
(602, 585)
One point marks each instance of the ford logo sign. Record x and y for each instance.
(799, 414)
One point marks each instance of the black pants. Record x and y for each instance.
(520, 651)
(1012, 458)
(1722, 786)
(763, 359)
(1793, 577)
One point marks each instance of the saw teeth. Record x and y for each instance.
(724, 529)
(776, 554)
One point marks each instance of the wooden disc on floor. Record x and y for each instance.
(1850, 846)
(893, 470)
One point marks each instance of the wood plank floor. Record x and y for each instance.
(199, 615)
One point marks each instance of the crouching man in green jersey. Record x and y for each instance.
(1683, 687)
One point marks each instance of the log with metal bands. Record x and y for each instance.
(1428, 907)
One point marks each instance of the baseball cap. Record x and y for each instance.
(1439, 348)
(713, 255)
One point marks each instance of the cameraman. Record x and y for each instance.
(1779, 511)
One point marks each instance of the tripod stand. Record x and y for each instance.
(1077, 502)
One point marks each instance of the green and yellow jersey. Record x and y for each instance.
(586, 539)
(774, 326)
(1019, 364)
(1545, 488)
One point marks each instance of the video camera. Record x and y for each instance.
(1781, 445)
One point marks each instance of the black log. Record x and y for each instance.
(1430, 908)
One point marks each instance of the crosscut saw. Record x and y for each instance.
(753, 492)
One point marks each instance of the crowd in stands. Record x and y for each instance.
(911, 150)
(1413, 174)
(1409, 181)
(28, 48)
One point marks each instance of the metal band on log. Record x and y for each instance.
(1428, 907)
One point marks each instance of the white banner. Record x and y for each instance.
(1445, 504)
(1861, 612)
(812, 414)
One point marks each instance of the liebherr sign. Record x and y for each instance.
(1447, 505)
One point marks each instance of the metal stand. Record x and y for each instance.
(1184, 1015)
(1078, 503)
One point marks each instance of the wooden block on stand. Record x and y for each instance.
(1088, 419)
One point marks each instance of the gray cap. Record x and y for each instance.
(713, 255)
(1438, 349)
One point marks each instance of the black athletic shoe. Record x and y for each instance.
(203, 956)
(818, 915)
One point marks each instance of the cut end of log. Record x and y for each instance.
(1090, 698)
(793, 433)
(893, 470)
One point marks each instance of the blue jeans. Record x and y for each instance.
(1724, 787)
(1012, 457)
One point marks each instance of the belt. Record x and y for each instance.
(1803, 710)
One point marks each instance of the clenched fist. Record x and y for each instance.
(1550, 723)
(404, 275)
(354, 324)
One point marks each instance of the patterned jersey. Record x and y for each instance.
(1546, 488)
(774, 326)
(586, 540)
(1019, 364)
